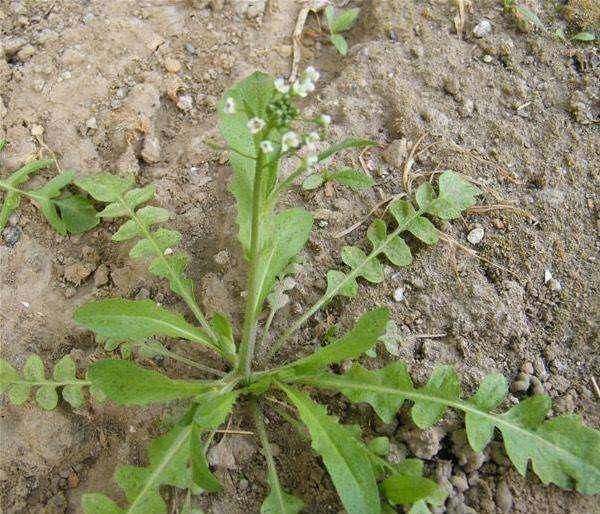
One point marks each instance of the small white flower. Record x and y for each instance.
(267, 146)
(299, 88)
(281, 86)
(325, 119)
(255, 125)
(168, 251)
(313, 137)
(289, 140)
(312, 74)
(229, 106)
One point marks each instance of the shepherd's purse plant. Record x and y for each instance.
(263, 127)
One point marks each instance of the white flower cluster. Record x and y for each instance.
(229, 106)
(299, 87)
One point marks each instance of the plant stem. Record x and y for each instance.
(265, 332)
(273, 478)
(175, 356)
(246, 351)
(349, 278)
(186, 296)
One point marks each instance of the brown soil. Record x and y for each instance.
(517, 111)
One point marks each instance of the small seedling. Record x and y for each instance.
(340, 21)
(67, 213)
(260, 123)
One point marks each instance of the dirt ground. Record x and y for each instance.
(131, 86)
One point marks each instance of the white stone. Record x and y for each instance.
(399, 294)
(476, 235)
(482, 29)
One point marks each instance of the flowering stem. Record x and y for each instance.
(246, 352)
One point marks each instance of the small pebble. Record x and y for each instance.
(547, 276)
(26, 53)
(151, 149)
(13, 219)
(11, 235)
(527, 368)
(554, 285)
(101, 275)
(185, 103)
(222, 257)
(482, 29)
(537, 387)
(521, 383)
(399, 294)
(476, 235)
(487, 58)
(172, 65)
(191, 49)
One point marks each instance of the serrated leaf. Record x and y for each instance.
(222, 326)
(370, 269)
(47, 397)
(8, 375)
(33, 370)
(354, 179)
(455, 195)
(342, 20)
(213, 409)
(338, 285)
(562, 450)
(169, 456)
(480, 430)
(443, 383)
(64, 370)
(291, 230)
(126, 383)
(364, 334)
(408, 489)
(280, 502)
(131, 200)
(19, 393)
(343, 455)
(104, 187)
(148, 216)
(340, 43)
(77, 213)
(418, 226)
(313, 181)
(379, 446)
(161, 240)
(172, 267)
(94, 503)
(396, 250)
(202, 476)
(136, 320)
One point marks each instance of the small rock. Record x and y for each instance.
(244, 484)
(396, 152)
(504, 498)
(399, 294)
(482, 29)
(537, 387)
(101, 275)
(26, 53)
(191, 49)
(151, 149)
(142, 294)
(459, 481)
(11, 235)
(554, 285)
(222, 257)
(172, 65)
(521, 383)
(13, 45)
(424, 444)
(77, 272)
(476, 235)
(487, 58)
(547, 276)
(527, 368)
(185, 103)
(91, 123)
(452, 86)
